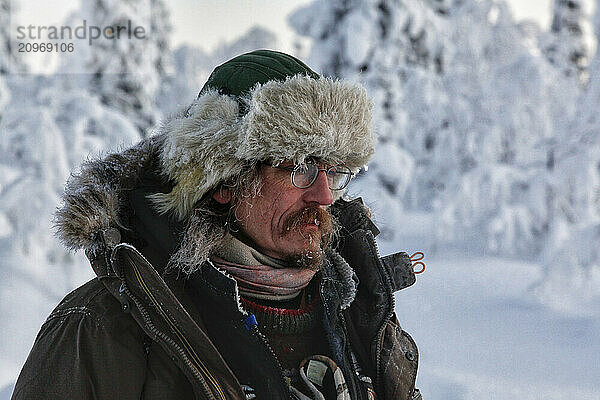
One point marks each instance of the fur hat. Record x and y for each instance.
(261, 106)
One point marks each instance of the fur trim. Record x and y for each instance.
(96, 199)
(292, 120)
(340, 273)
(305, 117)
(92, 198)
(199, 151)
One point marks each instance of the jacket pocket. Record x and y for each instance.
(398, 363)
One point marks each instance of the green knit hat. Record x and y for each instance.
(261, 106)
(240, 74)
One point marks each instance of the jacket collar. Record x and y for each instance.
(338, 284)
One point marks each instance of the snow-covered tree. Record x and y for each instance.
(515, 106)
(571, 256)
(466, 99)
(565, 45)
(349, 36)
(4, 95)
(5, 50)
(7, 45)
(398, 50)
(44, 134)
(125, 72)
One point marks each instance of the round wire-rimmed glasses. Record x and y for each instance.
(304, 175)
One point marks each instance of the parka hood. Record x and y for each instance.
(111, 193)
(95, 197)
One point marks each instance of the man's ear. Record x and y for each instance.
(222, 195)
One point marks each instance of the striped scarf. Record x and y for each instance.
(257, 275)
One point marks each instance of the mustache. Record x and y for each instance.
(310, 215)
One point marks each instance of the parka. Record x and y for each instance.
(141, 331)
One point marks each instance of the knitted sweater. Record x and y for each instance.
(293, 334)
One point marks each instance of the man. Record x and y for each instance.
(228, 265)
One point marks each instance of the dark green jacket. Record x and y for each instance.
(135, 332)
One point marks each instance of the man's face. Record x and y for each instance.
(287, 222)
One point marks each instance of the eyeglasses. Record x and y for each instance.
(304, 175)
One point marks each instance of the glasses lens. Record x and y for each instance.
(338, 177)
(304, 175)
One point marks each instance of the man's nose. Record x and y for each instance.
(319, 191)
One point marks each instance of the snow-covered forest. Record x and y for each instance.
(492, 123)
(489, 150)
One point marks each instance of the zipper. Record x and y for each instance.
(354, 367)
(256, 332)
(187, 346)
(169, 341)
(389, 316)
(187, 354)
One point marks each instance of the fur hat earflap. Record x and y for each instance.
(199, 151)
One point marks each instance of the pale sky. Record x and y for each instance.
(206, 23)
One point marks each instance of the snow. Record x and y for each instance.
(47, 131)
(482, 334)
(359, 25)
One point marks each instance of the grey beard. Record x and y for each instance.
(314, 259)
(308, 259)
